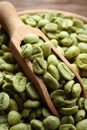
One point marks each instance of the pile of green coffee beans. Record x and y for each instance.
(21, 108)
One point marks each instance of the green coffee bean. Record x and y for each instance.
(67, 120)
(67, 42)
(25, 112)
(51, 122)
(63, 34)
(7, 67)
(20, 126)
(50, 81)
(80, 102)
(36, 53)
(37, 18)
(68, 111)
(70, 102)
(53, 71)
(4, 100)
(38, 44)
(31, 92)
(36, 124)
(57, 92)
(13, 105)
(67, 23)
(67, 127)
(31, 22)
(31, 38)
(82, 125)
(46, 48)
(45, 112)
(24, 17)
(54, 42)
(80, 115)
(78, 23)
(76, 90)
(13, 118)
(65, 71)
(51, 27)
(82, 37)
(31, 104)
(52, 59)
(43, 22)
(5, 48)
(52, 35)
(39, 66)
(3, 127)
(59, 101)
(81, 61)
(8, 57)
(19, 83)
(72, 52)
(27, 50)
(83, 47)
(68, 86)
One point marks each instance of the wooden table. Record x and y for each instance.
(76, 6)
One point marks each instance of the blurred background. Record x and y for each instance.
(75, 6)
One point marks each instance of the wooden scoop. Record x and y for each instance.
(17, 30)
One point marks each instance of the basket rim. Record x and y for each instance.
(66, 13)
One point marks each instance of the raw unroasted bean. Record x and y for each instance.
(66, 42)
(83, 47)
(52, 59)
(27, 50)
(3, 127)
(76, 90)
(31, 104)
(67, 23)
(20, 126)
(82, 37)
(19, 83)
(68, 111)
(31, 92)
(72, 52)
(46, 48)
(65, 71)
(13, 118)
(51, 122)
(53, 71)
(81, 61)
(31, 38)
(4, 100)
(40, 66)
(68, 86)
(67, 127)
(80, 115)
(82, 125)
(36, 124)
(67, 120)
(50, 81)
(51, 27)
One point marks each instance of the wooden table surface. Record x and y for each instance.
(76, 6)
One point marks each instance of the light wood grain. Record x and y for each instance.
(76, 6)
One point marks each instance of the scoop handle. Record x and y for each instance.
(9, 18)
